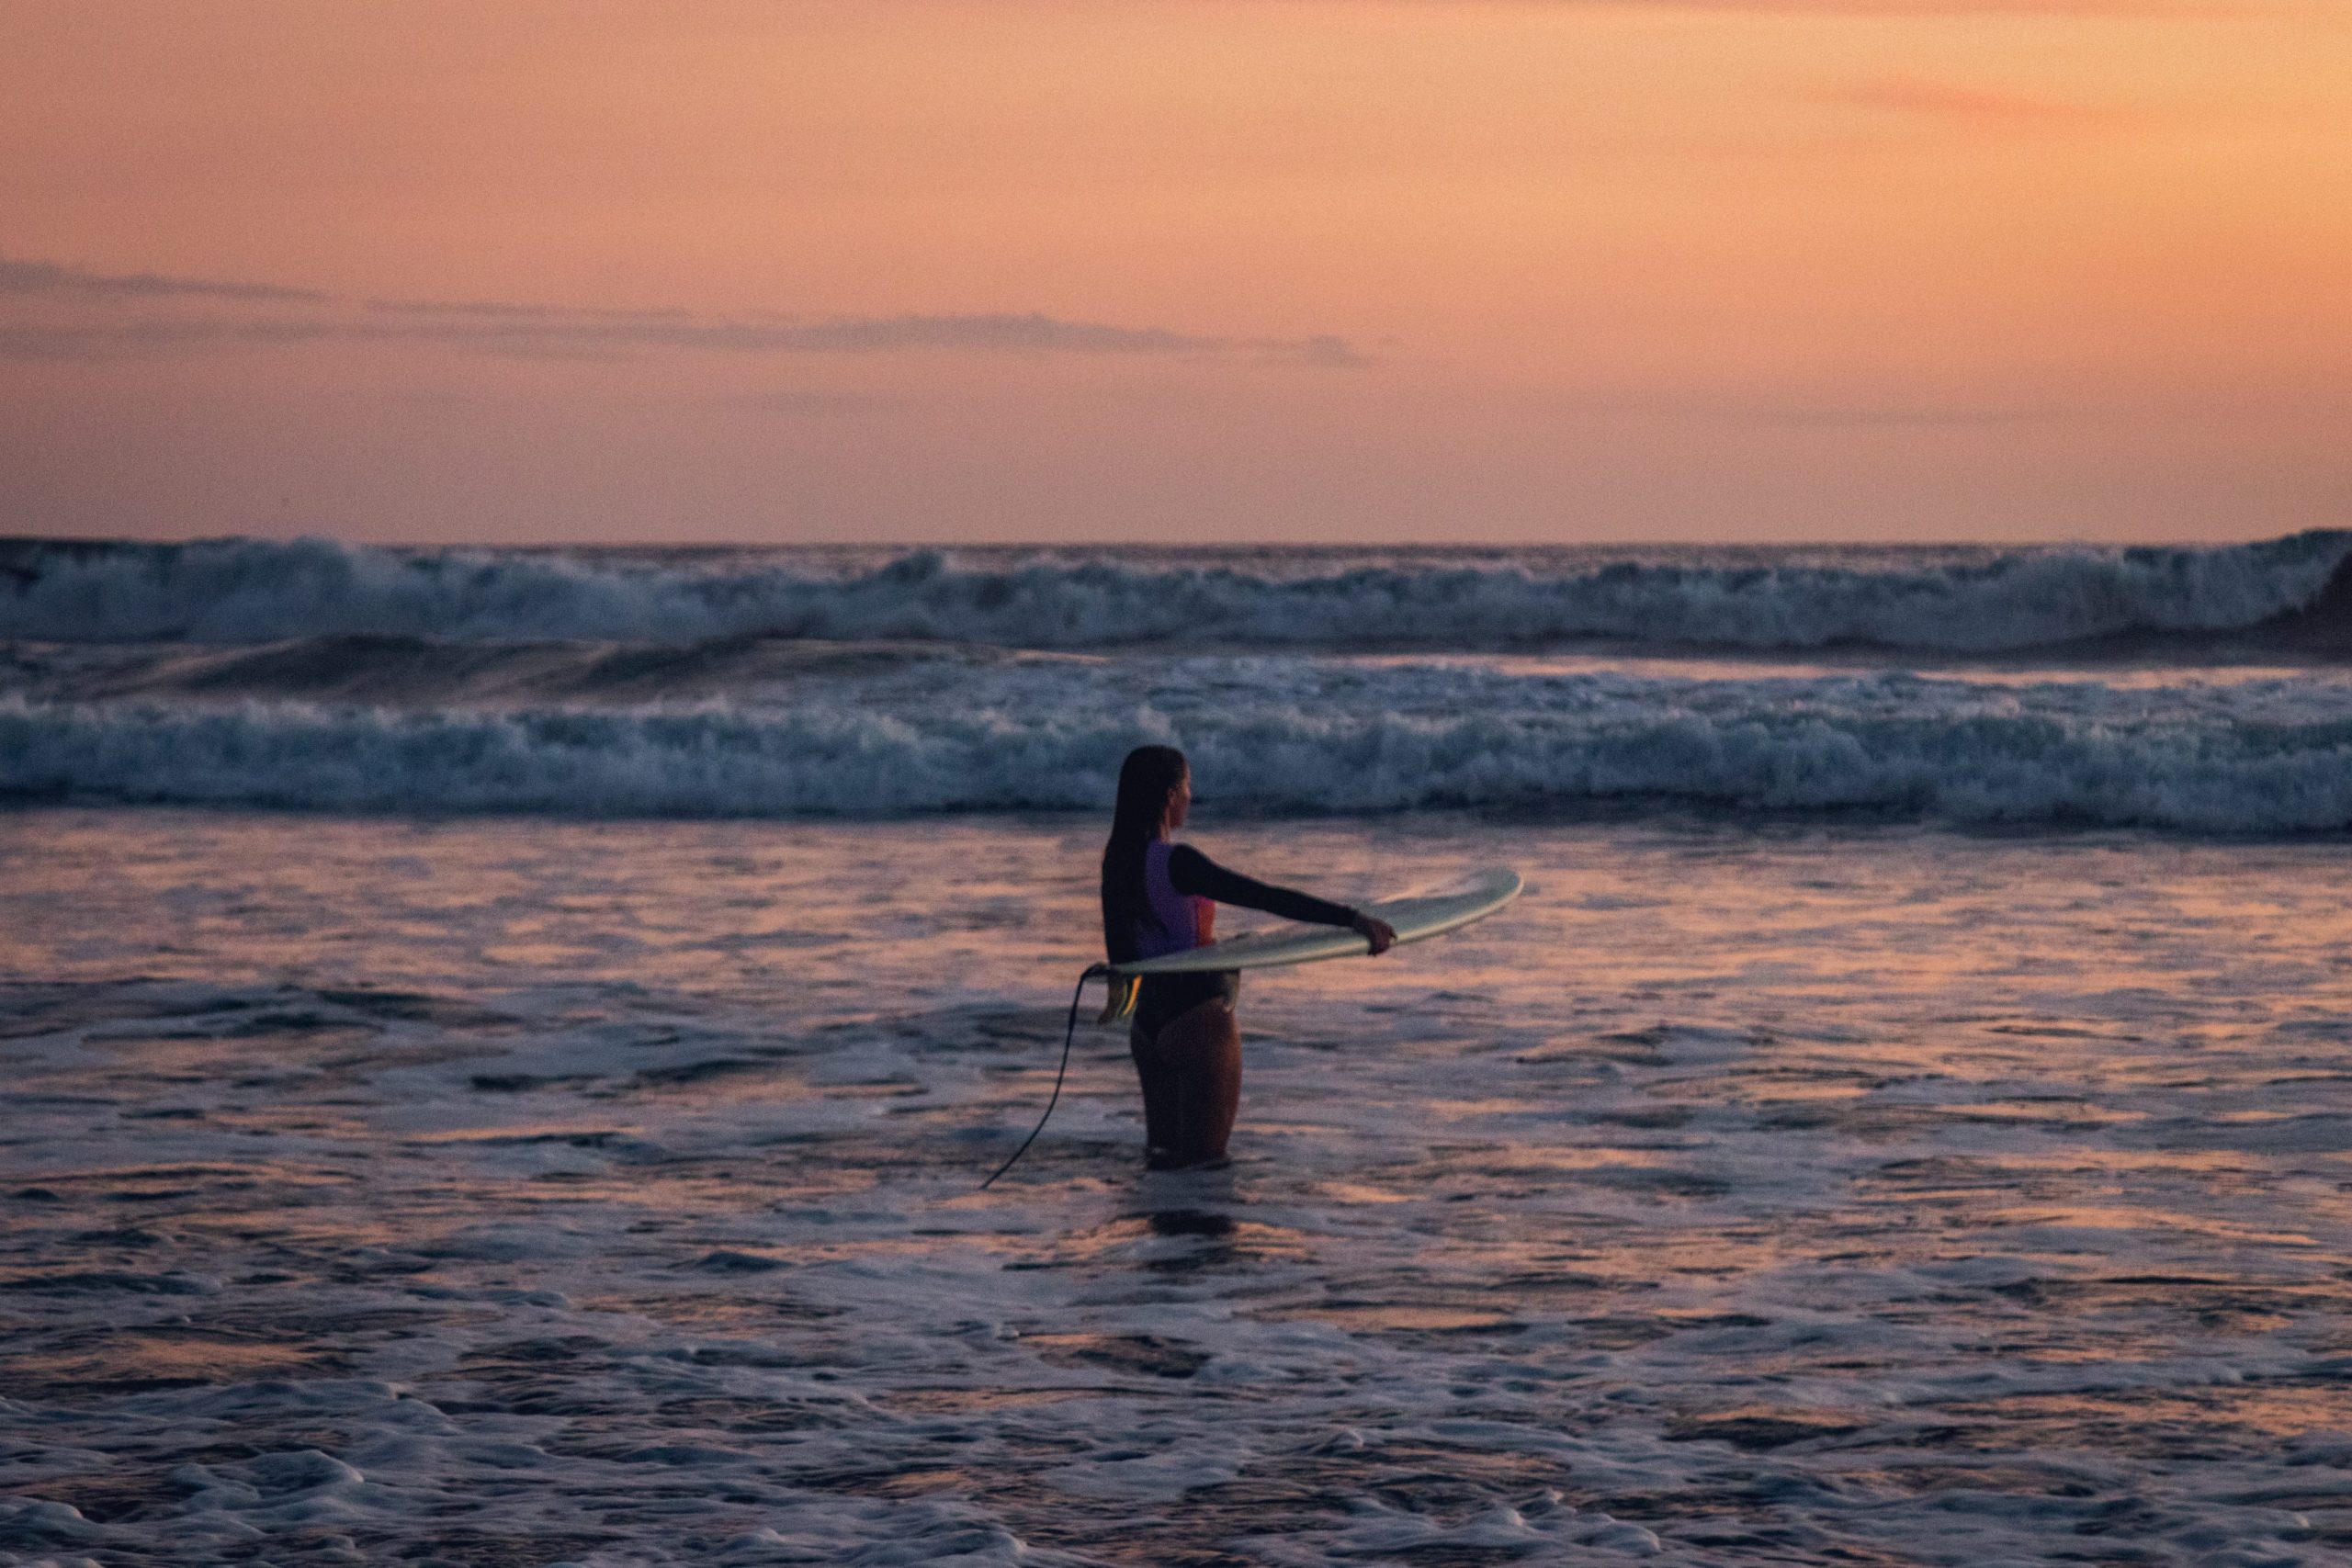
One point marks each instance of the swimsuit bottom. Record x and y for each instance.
(1165, 997)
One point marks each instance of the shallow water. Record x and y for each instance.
(531, 1191)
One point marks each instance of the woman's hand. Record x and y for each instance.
(1380, 933)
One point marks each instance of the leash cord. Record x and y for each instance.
(1068, 1035)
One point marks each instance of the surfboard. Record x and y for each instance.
(1416, 917)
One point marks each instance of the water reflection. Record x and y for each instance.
(1193, 1209)
(1821, 1189)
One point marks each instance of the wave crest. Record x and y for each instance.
(1888, 746)
(237, 592)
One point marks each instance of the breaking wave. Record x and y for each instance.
(235, 592)
(1887, 745)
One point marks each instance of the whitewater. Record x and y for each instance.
(2201, 690)
(525, 1189)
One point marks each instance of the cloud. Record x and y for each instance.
(1027, 333)
(807, 401)
(1895, 411)
(1949, 101)
(495, 310)
(49, 312)
(1030, 333)
(47, 278)
(1900, 10)
(1915, 417)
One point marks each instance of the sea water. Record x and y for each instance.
(501, 1050)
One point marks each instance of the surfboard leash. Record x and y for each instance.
(1068, 1035)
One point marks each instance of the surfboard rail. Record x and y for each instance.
(1416, 917)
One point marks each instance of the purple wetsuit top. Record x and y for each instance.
(1180, 888)
(1178, 921)
(1179, 884)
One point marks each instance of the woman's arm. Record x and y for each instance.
(1195, 875)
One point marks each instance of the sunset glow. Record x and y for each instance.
(1322, 270)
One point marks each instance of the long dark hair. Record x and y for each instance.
(1146, 779)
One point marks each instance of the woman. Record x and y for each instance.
(1160, 897)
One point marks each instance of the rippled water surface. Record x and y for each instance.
(530, 1191)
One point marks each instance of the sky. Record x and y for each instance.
(1176, 271)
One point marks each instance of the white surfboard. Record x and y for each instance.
(1417, 917)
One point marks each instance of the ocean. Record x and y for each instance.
(501, 1047)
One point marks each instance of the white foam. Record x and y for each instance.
(1912, 1220)
(1277, 736)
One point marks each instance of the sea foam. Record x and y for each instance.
(2266, 757)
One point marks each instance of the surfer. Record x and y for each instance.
(1160, 897)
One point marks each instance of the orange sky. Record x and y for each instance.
(1327, 270)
